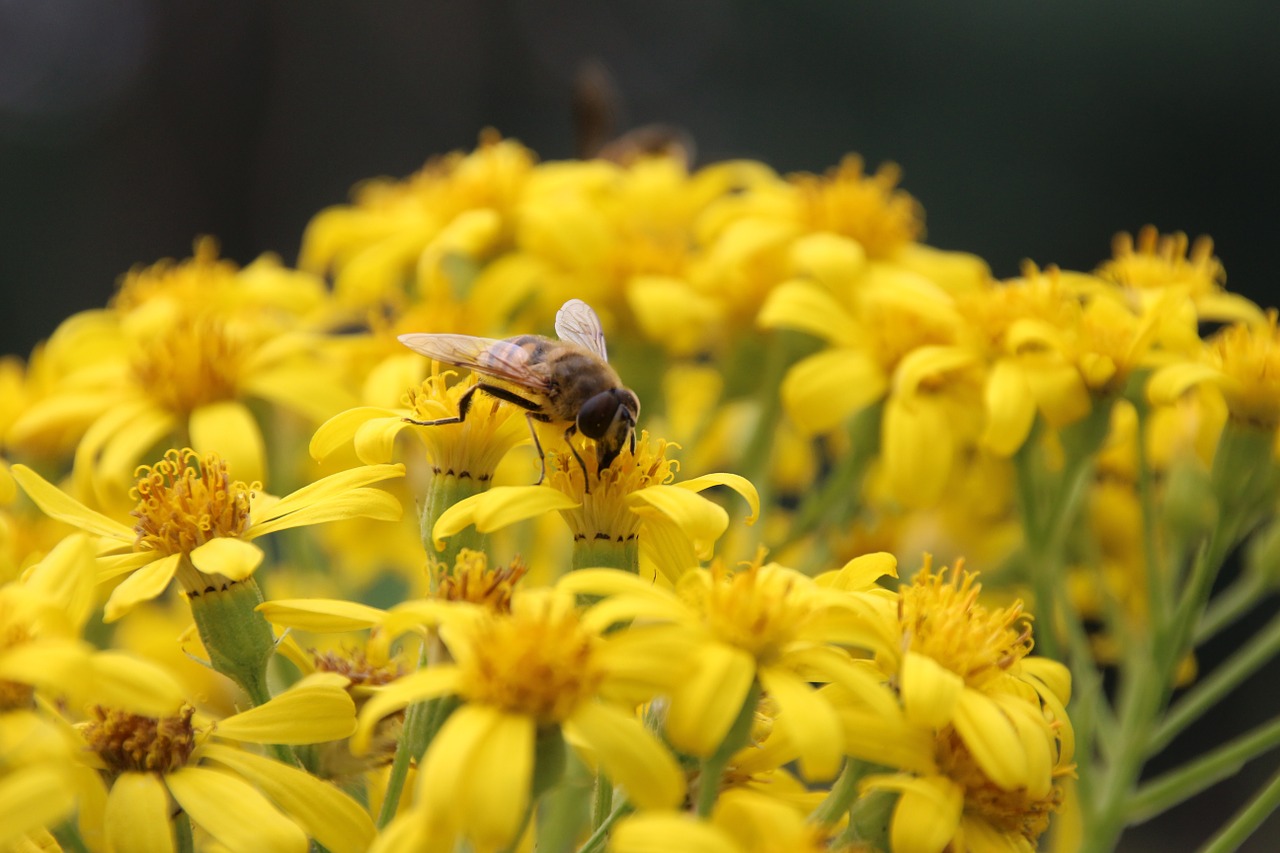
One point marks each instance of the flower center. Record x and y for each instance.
(191, 361)
(185, 500)
(941, 618)
(1162, 261)
(473, 448)
(127, 742)
(757, 609)
(605, 513)
(1250, 359)
(867, 208)
(472, 580)
(1008, 811)
(536, 660)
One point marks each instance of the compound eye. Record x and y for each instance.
(597, 414)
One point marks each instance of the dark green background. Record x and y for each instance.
(1027, 130)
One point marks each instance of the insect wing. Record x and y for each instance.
(492, 357)
(577, 323)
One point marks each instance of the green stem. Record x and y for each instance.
(1228, 606)
(443, 491)
(842, 794)
(1231, 673)
(595, 843)
(714, 765)
(1178, 785)
(602, 802)
(1247, 820)
(182, 831)
(837, 498)
(1157, 582)
(68, 836)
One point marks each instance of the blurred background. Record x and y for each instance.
(128, 127)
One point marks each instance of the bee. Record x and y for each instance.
(566, 382)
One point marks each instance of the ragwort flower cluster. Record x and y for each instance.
(682, 633)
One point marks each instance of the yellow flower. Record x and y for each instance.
(39, 778)
(764, 625)
(961, 666)
(525, 678)
(1156, 262)
(177, 361)
(1242, 362)
(241, 799)
(194, 521)
(635, 503)
(457, 206)
(868, 208)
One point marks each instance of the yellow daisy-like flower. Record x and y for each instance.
(634, 508)
(243, 800)
(179, 360)
(766, 626)
(868, 208)
(960, 665)
(1242, 362)
(1157, 262)
(543, 671)
(195, 522)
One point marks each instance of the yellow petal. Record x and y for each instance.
(739, 484)
(334, 498)
(888, 740)
(322, 616)
(1010, 408)
(809, 722)
(992, 740)
(462, 772)
(235, 814)
(829, 259)
(232, 558)
(927, 813)
(917, 449)
(120, 680)
(55, 503)
(702, 521)
(497, 508)
(328, 488)
(310, 392)
(326, 813)
(137, 815)
(861, 573)
(341, 428)
(628, 753)
(66, 575)
(672, 312)
(400, 693)
(930, 692)
(33, 797)
(314, 710)
(1165, 386)
(823, 390)
(144, 584)
(230, 430)
(706, 703)
(1060, 393)
(807, 307)
(375, 440)
(663, 832)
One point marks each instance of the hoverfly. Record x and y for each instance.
(568, 381)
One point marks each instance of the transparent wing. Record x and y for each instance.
(577, 323)
(492, 357)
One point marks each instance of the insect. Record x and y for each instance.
(568, 381)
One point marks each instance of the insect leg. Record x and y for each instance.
(464, 403)
(586, 478)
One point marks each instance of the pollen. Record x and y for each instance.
(472, 580)
(941, 618)
(128, 742)
(868, 208)
(1159, 261)
(184, 500)
(355, 666)
(1013, 812)
(537, 660)
(605, 513)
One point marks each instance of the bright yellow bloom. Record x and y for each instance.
(1242, 362)
(1156, 262)
(543, 670)
(637, 500)
(176, 362)
(241, 799)
(764, 624)
(194, 521)
(742, 822)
